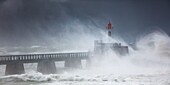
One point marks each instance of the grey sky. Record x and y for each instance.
(26, 22)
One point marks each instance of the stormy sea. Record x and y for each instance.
(148, 63)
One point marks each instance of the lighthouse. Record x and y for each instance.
(109, 28)
(101, 47)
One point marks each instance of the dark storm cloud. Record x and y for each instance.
(32, 21)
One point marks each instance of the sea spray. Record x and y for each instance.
(146, 64)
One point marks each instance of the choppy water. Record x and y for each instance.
(148, 65)
(86, 78)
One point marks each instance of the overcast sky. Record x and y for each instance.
(28, 22)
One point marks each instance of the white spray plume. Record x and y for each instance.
(152, 55)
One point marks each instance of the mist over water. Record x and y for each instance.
(149, 55)
(148, 60)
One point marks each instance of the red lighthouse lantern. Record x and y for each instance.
(109, 26)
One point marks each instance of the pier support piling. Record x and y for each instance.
(47, 67)
(73, 63)
(14, 68)
(88, 62)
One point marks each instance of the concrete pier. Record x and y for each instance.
(47, 67)
(46, 62)
(73, 63)
(14, 68)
